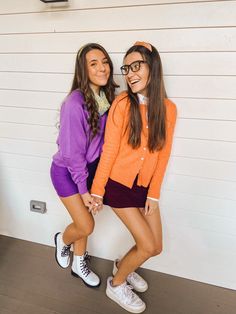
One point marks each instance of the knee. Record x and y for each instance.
(157, 249)
(152, 249)
(86, 229)
(147, 250)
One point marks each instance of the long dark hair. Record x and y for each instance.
(156, 108)
(81, 83)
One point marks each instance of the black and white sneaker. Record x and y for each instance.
(81, 269)
(62, 253)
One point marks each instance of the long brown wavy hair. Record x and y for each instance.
(156, 108)
(81, 83)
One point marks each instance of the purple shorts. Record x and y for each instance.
(62, 180)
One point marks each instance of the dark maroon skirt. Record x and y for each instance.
(118, 195)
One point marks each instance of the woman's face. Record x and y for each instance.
(98, 69)
(138, 75)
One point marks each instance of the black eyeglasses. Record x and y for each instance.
(134, 66)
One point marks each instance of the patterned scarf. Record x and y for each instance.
(102, 102)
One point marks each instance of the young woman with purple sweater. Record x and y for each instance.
(82, 122)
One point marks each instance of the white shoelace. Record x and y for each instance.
(126, 293)
(134, 276)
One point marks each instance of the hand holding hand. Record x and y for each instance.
(87, 199)
(96, 205)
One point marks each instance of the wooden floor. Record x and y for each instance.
(32, 283)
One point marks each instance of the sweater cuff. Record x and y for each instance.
(153, 199)
(99, 196)
(82, 187)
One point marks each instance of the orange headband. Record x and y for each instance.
(144, 44)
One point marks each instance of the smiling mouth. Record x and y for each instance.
(133, 82)
(101, 77)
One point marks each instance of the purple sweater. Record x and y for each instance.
(75, 149)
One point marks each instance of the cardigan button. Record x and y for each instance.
(142, 158)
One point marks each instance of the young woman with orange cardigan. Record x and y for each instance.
(136, 150)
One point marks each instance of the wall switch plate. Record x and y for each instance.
(38, 206)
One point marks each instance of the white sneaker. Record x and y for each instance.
(62, 252)
(125, 297)
(134, 279)
(81, 269)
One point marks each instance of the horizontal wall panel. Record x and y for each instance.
(201, 63)
(25, 192)
(16, 228)
(210, 169)
(201, 87)
(36, 81)
(196, 220)
(29, 116)
(24, 162)
(58, 63)
(36, 178)
(25, 147)
(207, 149)
(211, 63)
(198, 14)
(16, 212)
(177, 86)
(28, 132)
(199, 186)
(210, 242)
(29, 6)
(206, 129)
(21, 6)
(31, 99)
(200, 204)
(222, 109)
(187, 107)
(212, 264)
(202, 39)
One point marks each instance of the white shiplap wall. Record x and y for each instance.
(197, 42)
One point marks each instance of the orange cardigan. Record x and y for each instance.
(120, 162)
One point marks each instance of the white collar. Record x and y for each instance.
(142, 99)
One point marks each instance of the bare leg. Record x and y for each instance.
(146, 244)
(82, 226)
(154, 222)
